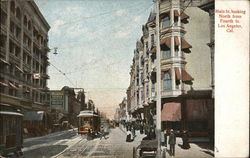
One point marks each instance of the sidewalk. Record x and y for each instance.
(197, 150)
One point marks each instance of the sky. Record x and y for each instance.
(95, 41)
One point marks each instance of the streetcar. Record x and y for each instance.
(88, 122)
(11, 133)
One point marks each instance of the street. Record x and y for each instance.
(68, 144)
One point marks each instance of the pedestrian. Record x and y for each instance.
(162, 138)
(141, 127)
(133, 131)
(129, 136)
(102, 132)
(166, 137)
(172, 142)
(185, 144)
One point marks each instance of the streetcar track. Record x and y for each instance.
(68, 148)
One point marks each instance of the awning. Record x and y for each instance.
(19, 69)
(3, 84)
(12, 85)
(181, 13)
(184, 16)
(3, 61)
(153, 49)
(184, 44)
(185, 76)
(167, 41)
(177, 73)
(182, 75)
(25, 90)
(176, 41)
(164, 14)
(176, 13)
(171, 112)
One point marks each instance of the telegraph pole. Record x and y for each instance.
(158, 80)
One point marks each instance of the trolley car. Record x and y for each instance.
(11, 134)
(88, 121)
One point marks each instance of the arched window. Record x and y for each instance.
(18, 13)
(25, 22)
(167, 84)
(12, 7)
(29, 25)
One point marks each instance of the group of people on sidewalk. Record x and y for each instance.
(172, 140)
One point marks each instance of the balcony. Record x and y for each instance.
(171, 93)
(172, 60)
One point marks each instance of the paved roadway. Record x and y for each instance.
(68, 144)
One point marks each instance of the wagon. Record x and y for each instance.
(147, 148)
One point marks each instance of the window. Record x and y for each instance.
(165, 22)
(166, 54)
(29, 25)
(25, 21)
(147, 91)
(12, 27)
(17, 52)
(18, 13)
(18, 31)
(146, 45)
(2, 41)
(12, 47)
(152, 39)
(167, 85)
(3, 17)
(176, 20)
(12, 7)
(24, 58)
(176, 52)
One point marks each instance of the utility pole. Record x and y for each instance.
(158, 80)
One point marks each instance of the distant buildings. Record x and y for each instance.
(186, 69)
(23, 56)
(65, 103)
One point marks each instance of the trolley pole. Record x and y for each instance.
(158, 79)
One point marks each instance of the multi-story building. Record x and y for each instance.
(186, 75)
(123, 114)
(23, 56)
(66, 104)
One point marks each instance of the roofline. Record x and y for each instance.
(33, 4)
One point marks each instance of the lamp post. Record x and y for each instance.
(158, 79)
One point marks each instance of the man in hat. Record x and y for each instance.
(172, 142)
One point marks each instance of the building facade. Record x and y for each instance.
(24, 56)
(66, 105)
(186, 71)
